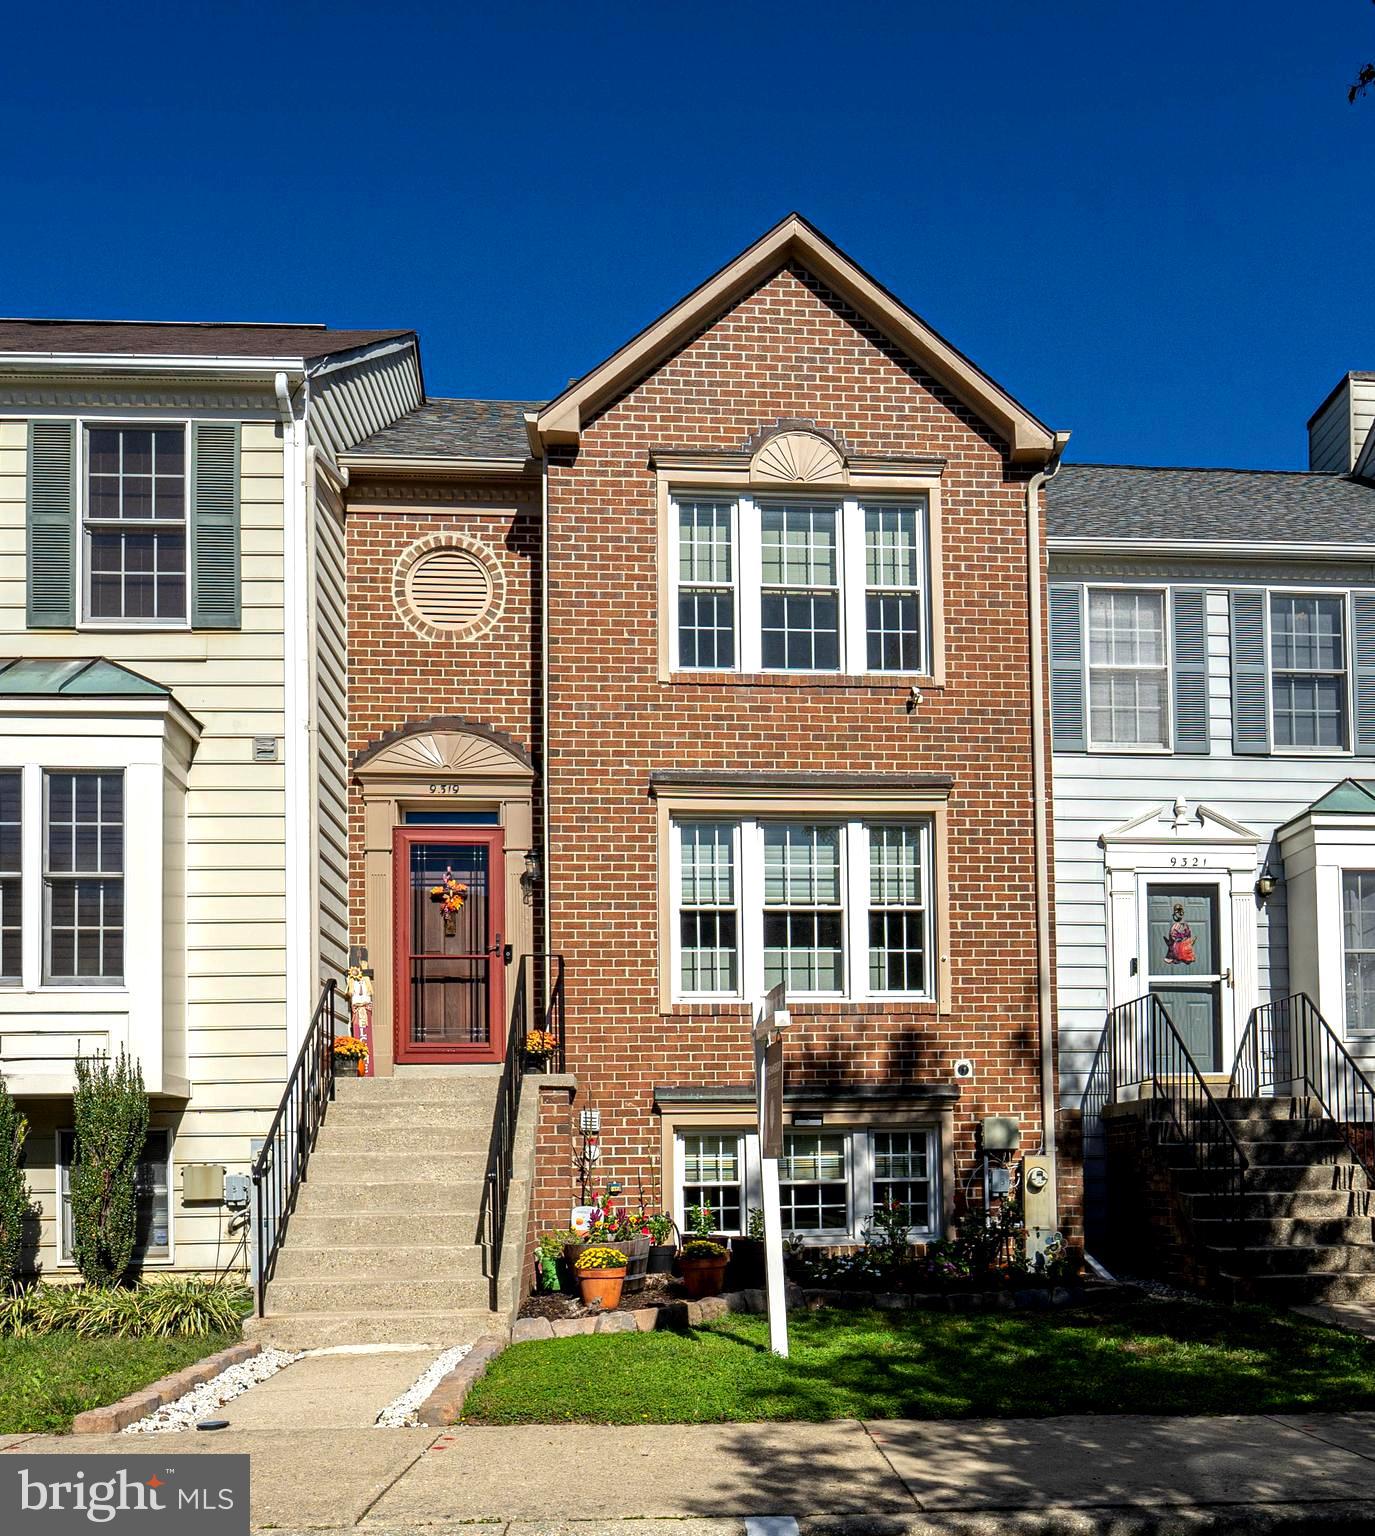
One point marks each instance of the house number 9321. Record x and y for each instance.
(1186, 861)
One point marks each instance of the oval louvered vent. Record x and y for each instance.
(449, 589)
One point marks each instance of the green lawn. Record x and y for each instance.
(1137, 1356)
(46, 1381)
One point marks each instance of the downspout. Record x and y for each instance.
(544, 695)
(1045, 999)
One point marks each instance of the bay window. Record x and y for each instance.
(83, 877)
(11, 876)
(838, 908)
(1358, 947)
(788, 585)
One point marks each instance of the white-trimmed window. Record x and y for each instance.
(11, 876)
(1308, 670)
(83, 877)
(153, 1231)
(903, 1165)
(134, 524)
(814, 1183)
(800, 585)
(833, 908)
(1358, 948)
(713, 1174)
(1128, 668)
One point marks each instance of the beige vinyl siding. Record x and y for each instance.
(234, 1040)
(1338, 434)
(352, 401)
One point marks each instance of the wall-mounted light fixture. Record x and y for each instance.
(529, 876)
(1266, 882)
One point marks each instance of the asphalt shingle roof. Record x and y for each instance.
(465, 429)
(1124, 501)
(62, 338)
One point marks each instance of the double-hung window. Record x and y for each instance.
(903, 1164)
(152, 1202)
(1308, 685)
(785, 585)
(839, 909)
(714, 1176)
(134, 539)
(1358, 947)
(814, 1183)
(1128, 668)
(83, 877)
(11, 876)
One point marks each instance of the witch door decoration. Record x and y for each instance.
(1179, 941)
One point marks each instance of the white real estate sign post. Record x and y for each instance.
(771, 1021)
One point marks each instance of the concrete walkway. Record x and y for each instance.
(1125, 1474)
(340, 1388)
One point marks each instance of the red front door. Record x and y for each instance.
(450, 967)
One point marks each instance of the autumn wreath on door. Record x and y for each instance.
(450, 895)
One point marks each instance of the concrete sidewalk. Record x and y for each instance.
(1128, 1475)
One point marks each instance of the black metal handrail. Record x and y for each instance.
(537, 1003)
(281, 1165)
(1289, 1046)
(1142, 1050)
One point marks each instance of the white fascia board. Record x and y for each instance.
(1203, 548)
(128, 362)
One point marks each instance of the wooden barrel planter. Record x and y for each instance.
(636, 1250)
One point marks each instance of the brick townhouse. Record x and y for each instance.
(720, 669)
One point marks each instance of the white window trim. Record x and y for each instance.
(83, 620)
(1343, 594)
(749, 893)
(12, 983)
(1351, 1028)
(1132, 748)
(747, 571)
(65, 1259)
(859, 1177)
(48, 981)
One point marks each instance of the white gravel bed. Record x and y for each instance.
(201, 1402)
(400, 1413)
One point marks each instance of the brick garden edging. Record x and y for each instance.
(444, 1406)
(128, 1410)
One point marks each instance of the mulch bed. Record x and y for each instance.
(657, 1290)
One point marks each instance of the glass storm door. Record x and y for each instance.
(450, 964)
(1185, 967)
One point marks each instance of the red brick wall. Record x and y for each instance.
(788, 350)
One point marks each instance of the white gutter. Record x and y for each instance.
(1045, 999)
(97, 362)
(298, 724)
(1230, 549)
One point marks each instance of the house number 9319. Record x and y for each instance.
(1186, 861)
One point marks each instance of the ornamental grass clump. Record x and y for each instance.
(164, 1309)
(110, 1119)
(15, 1204)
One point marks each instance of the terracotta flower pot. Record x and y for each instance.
(601, 1287)
(704, 1277)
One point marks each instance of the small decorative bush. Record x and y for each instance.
(351, 1048)
(598, 1257)
(703, 1248)
(701, 1221)
(163, 1309)
(110, 1119)
(14, 1192)
(660, 1227)
(755, 1225)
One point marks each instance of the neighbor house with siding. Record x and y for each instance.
(173, 772)
(1213, 696)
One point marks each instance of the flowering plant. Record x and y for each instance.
(600, 1258)
(701, 1248)
(350, 1046)
(539, 1042)
(451, 894)
(660, 1227)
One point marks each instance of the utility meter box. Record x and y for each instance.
(1001, 1133)
(238, 1189)
(202, 1182)
(1038, 1193)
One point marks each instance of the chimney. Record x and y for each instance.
(1339, 431)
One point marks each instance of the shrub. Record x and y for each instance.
(162, 1309)
(14, 1192)
(110, 1117)
(661, 1227)
(701, 1221)
(754, 1226)
(701, 1248)
(598, 1257)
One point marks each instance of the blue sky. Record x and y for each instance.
(1153, 223)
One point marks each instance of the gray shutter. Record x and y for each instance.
(1250, 674)
(52, 525)
(1068, 727)
(1189, 621)
(1363, 684)
(215, 525)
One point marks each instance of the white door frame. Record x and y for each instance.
(1229, 1032)
(1171, 845)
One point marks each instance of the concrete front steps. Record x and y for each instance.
(384, 1244)
(1307, 1234)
